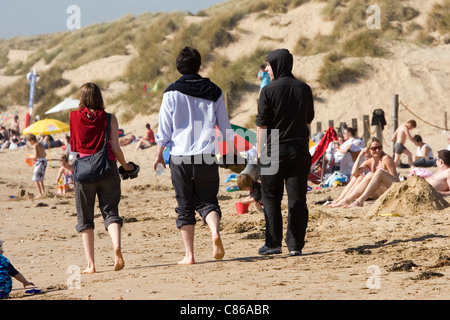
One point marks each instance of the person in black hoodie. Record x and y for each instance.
(191, 108)
(285, 112)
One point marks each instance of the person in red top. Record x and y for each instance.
(87, 134)
(147, 141)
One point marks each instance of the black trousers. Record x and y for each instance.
(293, 167)
(196, 185)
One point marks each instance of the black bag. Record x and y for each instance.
(97, 166)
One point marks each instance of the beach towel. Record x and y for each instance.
(421, 172)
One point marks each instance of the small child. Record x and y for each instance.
(65, 174)
(40, 165)
(6, 272)
(246, 182)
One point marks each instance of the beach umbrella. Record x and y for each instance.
(67, 104)
(244, 139)
(46, 126)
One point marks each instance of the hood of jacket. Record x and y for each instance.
(281, 61)
(196, 86)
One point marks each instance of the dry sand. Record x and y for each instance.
(342, 244)
(345, 247)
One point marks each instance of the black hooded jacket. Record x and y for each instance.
(286, 103)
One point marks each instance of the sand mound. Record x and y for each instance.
(411, 196)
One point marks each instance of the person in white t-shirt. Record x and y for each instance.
(424, 154)
(345, 150)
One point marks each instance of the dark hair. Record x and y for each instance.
(189, 61)
(444, 155)
(91, 97)
(417, 138)
(352, 131)
(147, 126)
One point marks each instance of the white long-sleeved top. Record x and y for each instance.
(187, 125)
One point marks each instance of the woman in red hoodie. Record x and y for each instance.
(87, 135)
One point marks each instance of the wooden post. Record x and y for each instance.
(366, 126)
(379, 133)
(355, 124)
(331, 123)
(342, 126)
(319, 126)
(445, 121)
(394, 117)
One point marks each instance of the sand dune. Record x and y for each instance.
(343, 245)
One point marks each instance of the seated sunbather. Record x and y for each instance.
(381, 169)
(440, 180)
(355, 178)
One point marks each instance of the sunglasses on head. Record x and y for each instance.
(376, 148)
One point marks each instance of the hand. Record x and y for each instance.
(259, 206)
(27, 283)
(159, 160)
(129, 166)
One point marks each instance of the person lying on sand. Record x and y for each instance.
(440, 180)
(124, 141)
(362, 176)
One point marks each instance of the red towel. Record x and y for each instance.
(329, 136)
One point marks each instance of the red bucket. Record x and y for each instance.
(241, 208)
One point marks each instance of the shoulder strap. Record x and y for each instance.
(108, 124)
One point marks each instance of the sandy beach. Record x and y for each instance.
(349, 253)
(396, 248)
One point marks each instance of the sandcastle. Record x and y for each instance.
(412, 196)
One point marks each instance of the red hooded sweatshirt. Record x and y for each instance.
(87, 131)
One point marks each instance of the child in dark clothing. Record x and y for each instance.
(6, 272)
(246, 182)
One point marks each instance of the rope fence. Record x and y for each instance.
(421, 119)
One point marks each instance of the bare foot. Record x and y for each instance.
(119, 263)
(218, 251)
(186, 261)
(340, 203)
(355, 204)
(88, 270)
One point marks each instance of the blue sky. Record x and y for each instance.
(32, 17)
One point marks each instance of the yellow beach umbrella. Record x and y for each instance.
(46, 126)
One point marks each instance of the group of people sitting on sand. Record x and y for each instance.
(371, 177)
(371, 171)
